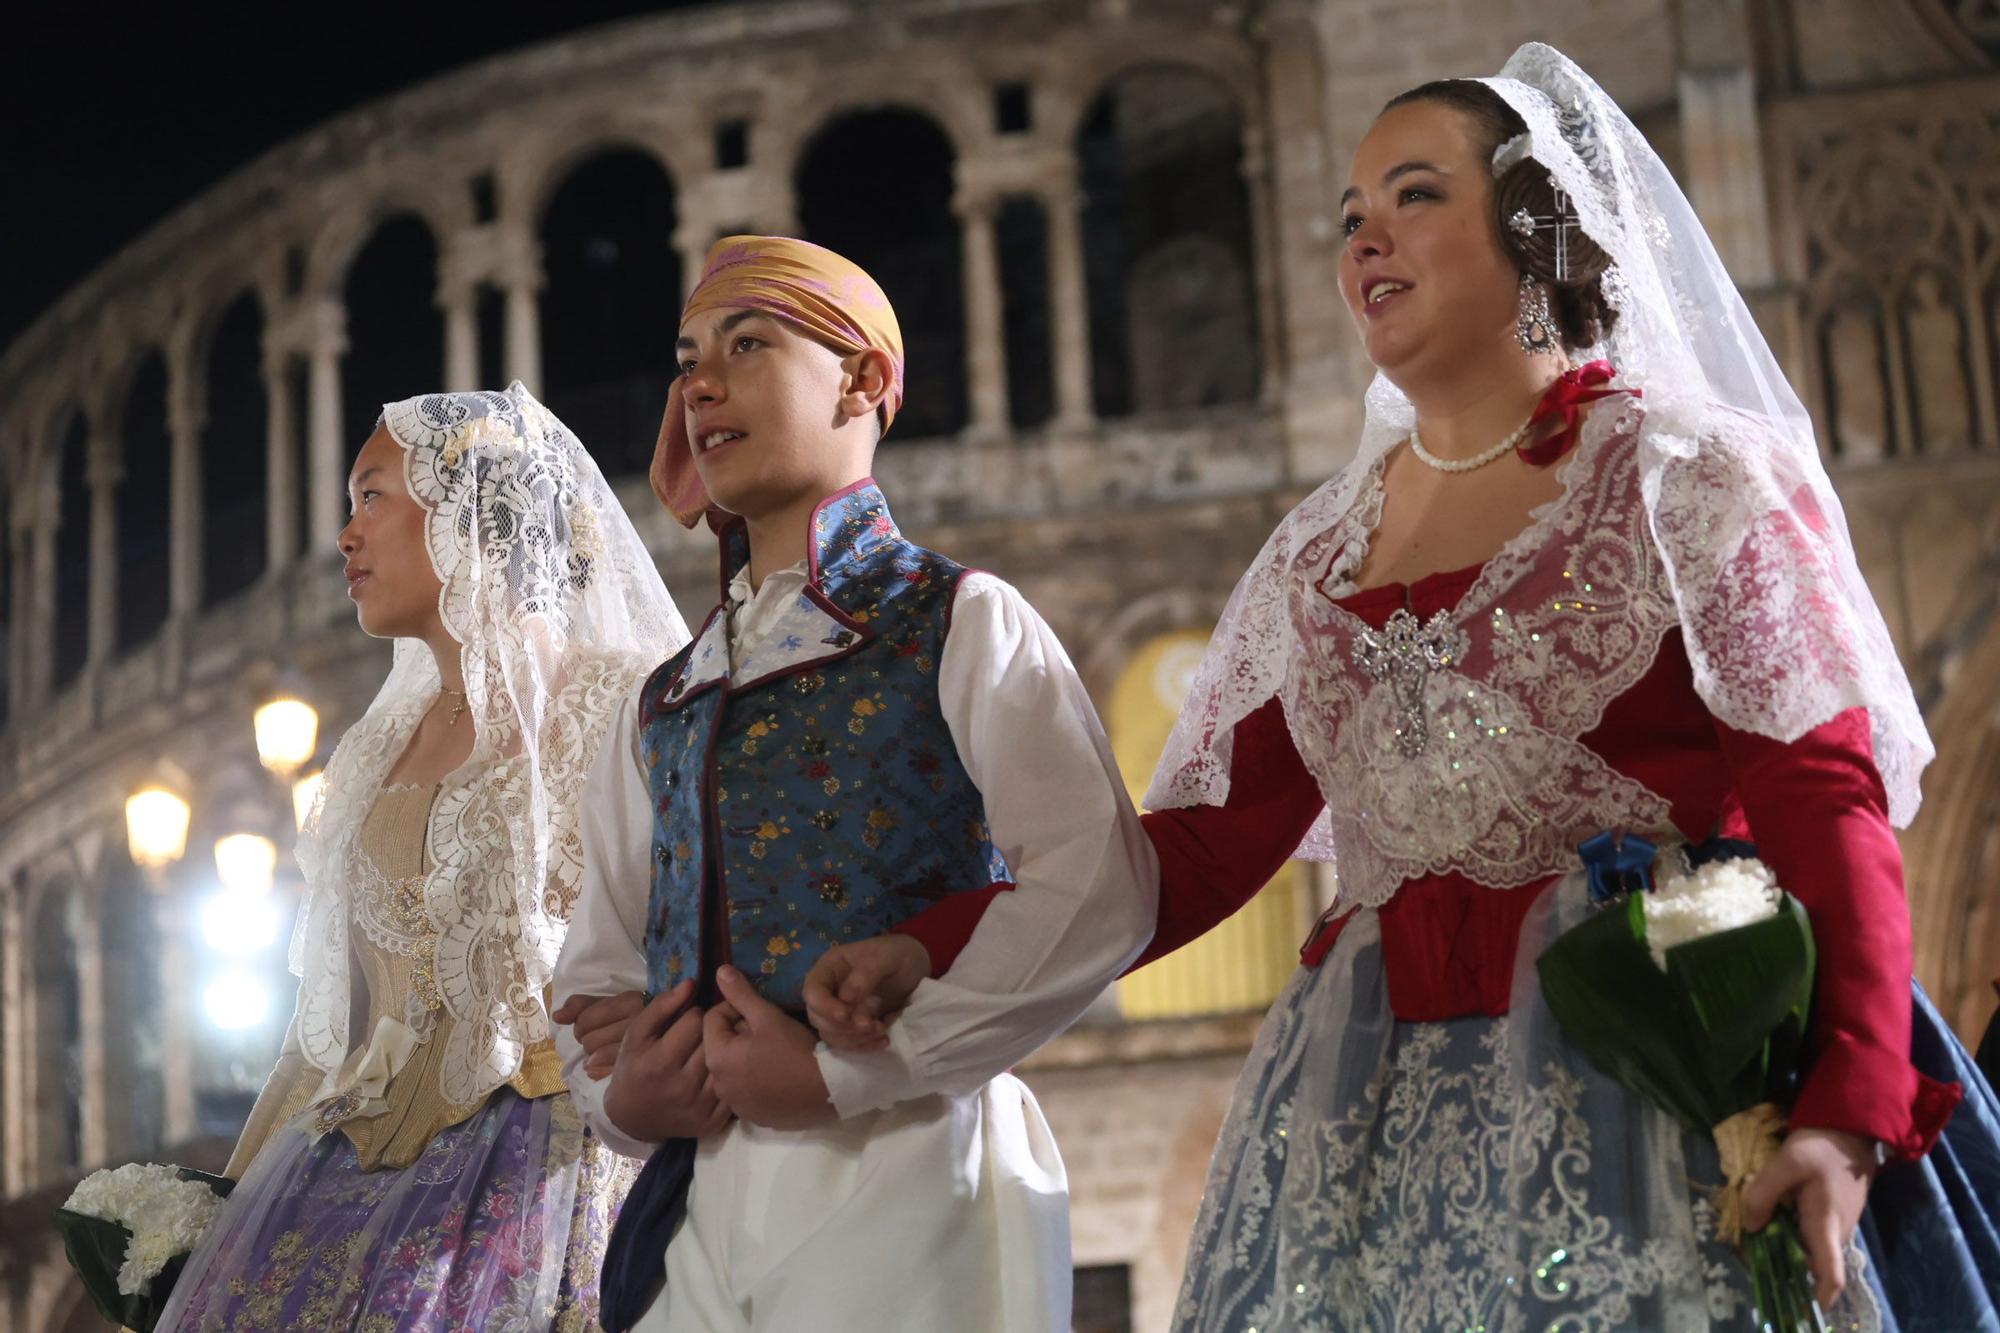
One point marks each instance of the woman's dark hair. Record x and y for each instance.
(1582, 314)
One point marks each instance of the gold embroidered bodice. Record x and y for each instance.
(392, 1129)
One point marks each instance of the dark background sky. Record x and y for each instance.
(113, 115)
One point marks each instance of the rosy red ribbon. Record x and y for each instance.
(1577, 387)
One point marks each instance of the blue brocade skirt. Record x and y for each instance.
(1479, 1174)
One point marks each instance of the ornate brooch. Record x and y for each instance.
(1405, 653)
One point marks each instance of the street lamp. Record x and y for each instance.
(246, 862)
(236, 1001)
(156, 827)
(287, 733)
(156, 833)
(241, 919)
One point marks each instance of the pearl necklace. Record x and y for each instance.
(1430, 459)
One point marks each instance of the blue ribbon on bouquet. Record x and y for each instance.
(1617, 863)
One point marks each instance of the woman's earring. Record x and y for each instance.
(1535, 326)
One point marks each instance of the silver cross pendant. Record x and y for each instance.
(1405, 652)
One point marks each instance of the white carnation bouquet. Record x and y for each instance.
(1694, 995)
(128, 1229)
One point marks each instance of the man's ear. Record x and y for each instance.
(869, 376)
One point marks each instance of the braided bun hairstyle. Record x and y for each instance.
(1582, 315)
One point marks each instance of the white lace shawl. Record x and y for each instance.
(1733, 521)
(561, 613)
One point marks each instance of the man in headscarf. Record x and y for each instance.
(865, 737)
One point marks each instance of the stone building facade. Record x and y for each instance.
(1141, 361)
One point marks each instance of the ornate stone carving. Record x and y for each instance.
(1896, 207)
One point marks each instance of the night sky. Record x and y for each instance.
(111, 119)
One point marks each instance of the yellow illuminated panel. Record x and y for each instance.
(1243, 963)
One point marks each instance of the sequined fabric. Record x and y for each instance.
(497, 1226)
(1386, 1176)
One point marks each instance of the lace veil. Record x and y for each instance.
(560, 612)
(1778, 623)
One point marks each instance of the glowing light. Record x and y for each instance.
(246, 862)
(156, 827)
(287, 732)
(238, 924)
(236, 1001)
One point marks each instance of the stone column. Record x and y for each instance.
(1069, 305)
(327, 484)
(21, 600)
(1725, 168)
(1902, 421)
(40, 648)
(1318, 374)
(91, 1054)
(521, 278)
(106, 471)
(176, 1024)
(17, 1017)
(691, 241)
(186, 415)
(281, 464)
(1721, 136)
(1263, 267)
(985, 320)
(1985, 392)
(461, 337)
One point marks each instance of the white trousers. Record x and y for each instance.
(942, 1215)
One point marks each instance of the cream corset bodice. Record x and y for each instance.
(386, 1096)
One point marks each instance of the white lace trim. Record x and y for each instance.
(1465, 1186)
(1713, 512)
(560, 613)
(1564, 619)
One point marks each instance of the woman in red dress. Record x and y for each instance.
(1584, 573)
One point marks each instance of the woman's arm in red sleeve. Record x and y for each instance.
(944, 927)
(1819, 816)
(1214, 858)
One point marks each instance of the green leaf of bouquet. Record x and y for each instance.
(221, 1185)
(1623, 1012)
(96, 1247)
(96, 1250)
(1738, 987)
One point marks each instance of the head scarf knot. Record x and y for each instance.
(829, 299)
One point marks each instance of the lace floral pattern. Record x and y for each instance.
(1778, 589)
(1452, 1175)
(1567, 617)
(560, 614)
(1724, 522)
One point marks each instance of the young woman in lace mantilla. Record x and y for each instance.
(1584, 573)
(414, 1161)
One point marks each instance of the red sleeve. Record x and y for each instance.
(1214, 859)
(1819, 816)
(945, 926)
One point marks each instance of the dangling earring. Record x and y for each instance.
(1535, 326)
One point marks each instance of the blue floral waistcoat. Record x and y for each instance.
(816, 795)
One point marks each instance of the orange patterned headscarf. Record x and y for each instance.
(828, 298)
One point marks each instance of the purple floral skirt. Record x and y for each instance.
(498, 1226)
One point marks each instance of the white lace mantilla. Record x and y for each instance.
(1566, 618)
(1453, 745)
(560, 614)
